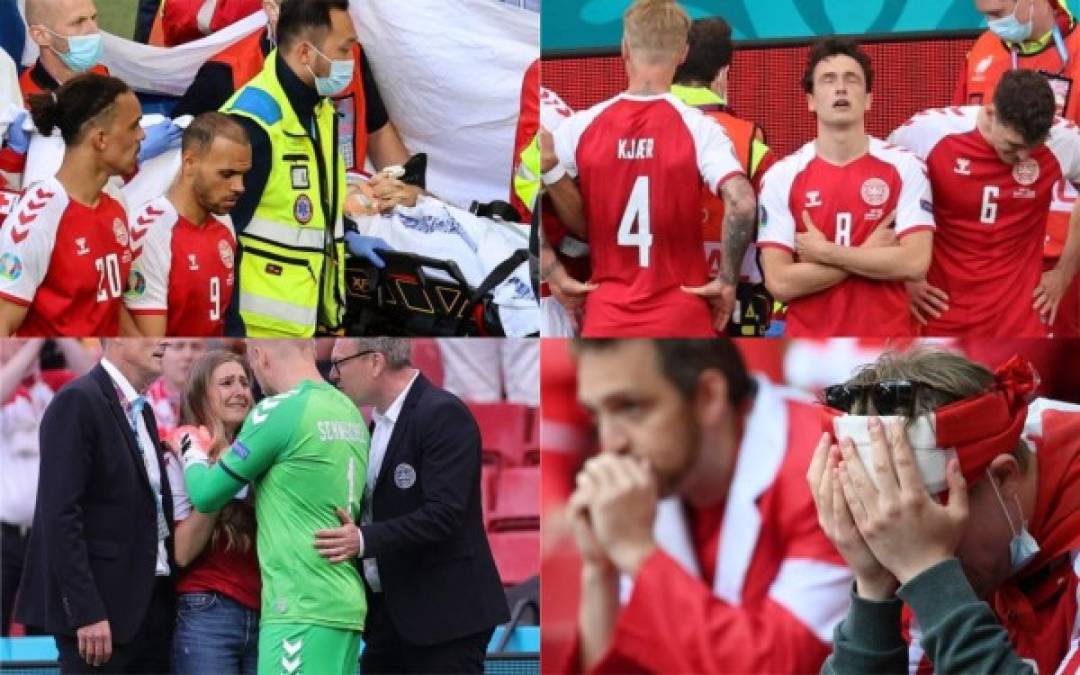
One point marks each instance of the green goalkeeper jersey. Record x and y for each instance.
(306, 452)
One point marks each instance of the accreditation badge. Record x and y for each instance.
(301, 179)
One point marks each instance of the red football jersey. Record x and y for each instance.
(991, 220)
(181, 270)
(847, 203)
(640, 161)
(66, 261)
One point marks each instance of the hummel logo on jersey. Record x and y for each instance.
(80, 246)
(963, 166)
(267, 404)
(813, 198)
(28, 215)
(193, 265)
(635, 148)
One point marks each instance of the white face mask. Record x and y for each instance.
(1022, 547)
(931, 460)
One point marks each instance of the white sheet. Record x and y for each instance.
(477, 245)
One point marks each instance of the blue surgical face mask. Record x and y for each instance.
(1009, 28)
(340, 76)
(1022, 547)
(84, 51)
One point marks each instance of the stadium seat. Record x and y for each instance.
(532, 442)
(517, 500)
(517, 555)
(503, 429)
(426, 357)
(489, 474)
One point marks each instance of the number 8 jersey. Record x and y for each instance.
(182, 270)
(640, 162)
(65, 261)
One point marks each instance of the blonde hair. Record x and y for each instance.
(656, 30)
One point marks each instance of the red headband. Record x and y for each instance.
(980, 427)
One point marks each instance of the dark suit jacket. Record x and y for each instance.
(93, 547)
(438, 577)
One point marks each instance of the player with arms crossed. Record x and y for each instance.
(65, 249)
(845, 220)
(305, 448)
(993, 170)
(639, 159)
(182, 279)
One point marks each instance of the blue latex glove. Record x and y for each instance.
(159, 138)
(364, 247)
(18, 139)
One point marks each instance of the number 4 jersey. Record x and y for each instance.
(182, 270)
(640, 162)
(65, 261)
(991, 219)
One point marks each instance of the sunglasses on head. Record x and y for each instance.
(888, 397)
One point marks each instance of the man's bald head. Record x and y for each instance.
(66, 17)
(277, 363)
(283, 349)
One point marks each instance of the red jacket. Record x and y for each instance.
(186, 20)
(780, 587)
(1039, 606)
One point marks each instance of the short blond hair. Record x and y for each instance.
(656, 30)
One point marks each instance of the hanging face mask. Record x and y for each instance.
(1023, 546)
(340, 76)
(1009, 28)
(84, 51)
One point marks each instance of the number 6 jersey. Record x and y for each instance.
(991, 220)
(640, 162)
(182, 270)
(65, 261)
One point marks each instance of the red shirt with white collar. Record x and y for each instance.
(182, 270)
(65, 261)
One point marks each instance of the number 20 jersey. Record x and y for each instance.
(65, 261)
(640, 162)
(991, 219)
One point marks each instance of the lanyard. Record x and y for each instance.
(1059, 42)
(155, 485)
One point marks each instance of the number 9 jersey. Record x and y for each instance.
(640, 162)
(182, 271)
(65, 262)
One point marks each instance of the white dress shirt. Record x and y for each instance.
(148, 451)
(380, 440)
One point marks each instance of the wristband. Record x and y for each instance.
(554, 175)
